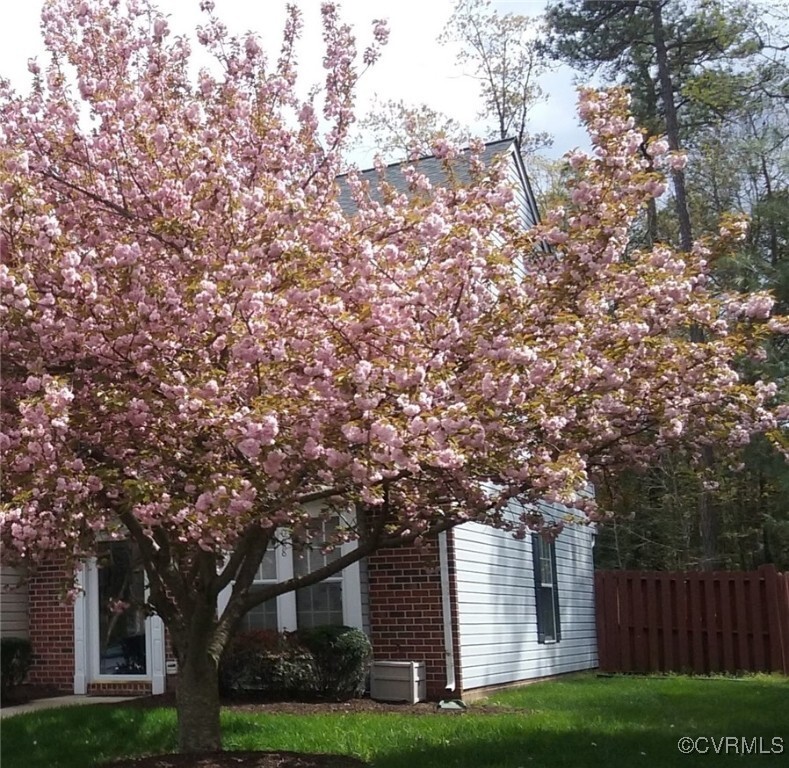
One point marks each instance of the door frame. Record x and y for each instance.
(86, 640)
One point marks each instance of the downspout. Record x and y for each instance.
(446, 609)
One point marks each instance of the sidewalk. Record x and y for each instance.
(60, 701)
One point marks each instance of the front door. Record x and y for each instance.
(122, 636)
(116, 642)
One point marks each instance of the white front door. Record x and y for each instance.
(115, 641)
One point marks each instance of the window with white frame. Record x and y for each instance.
(319, 603)
(265, 615)
(335, 600)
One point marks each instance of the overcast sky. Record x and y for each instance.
(413, 66)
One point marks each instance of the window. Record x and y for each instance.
(265, 615)
(546, 590)
(335, 600)
(320, 603)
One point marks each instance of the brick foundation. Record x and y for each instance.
(406, 618)
(51, 620)
(121, 688)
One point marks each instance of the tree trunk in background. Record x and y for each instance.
(708, 516)
(672, 125)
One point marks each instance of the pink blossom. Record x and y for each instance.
(677, 161)
(657, 147)
(118, 606)
(381, 31)
(160, 29)
(758, 306)
(577, 159)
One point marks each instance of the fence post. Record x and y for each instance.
(710, 622)
(603, 635)
(696, 589)
(727, 626)
(776, 613)
(757, 601)
(743, 656)
(783, 602)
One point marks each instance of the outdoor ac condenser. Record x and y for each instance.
(398, 681)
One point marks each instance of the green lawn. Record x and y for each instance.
(578, 721)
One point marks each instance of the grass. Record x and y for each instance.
(579, 721)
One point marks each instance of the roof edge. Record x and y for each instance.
(509, 141)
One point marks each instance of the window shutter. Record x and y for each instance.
(538, 591)
(555, 593)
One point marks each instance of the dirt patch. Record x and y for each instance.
(329, 707)
(240, 760)
(368, 705)
(324, 707)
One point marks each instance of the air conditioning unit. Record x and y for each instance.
(398, 681)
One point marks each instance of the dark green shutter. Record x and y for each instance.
(555, 590)
(546, 598)
(538, 588)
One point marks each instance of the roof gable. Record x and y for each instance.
(434, 169)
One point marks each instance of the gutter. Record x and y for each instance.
(446, 610)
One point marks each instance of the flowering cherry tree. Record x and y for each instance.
(200, 347)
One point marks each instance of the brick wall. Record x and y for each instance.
(406, 619)
(124, 688)
(51, 620)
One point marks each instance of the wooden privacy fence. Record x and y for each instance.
(718, 621)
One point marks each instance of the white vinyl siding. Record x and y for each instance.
(14, 604)
(497, 611)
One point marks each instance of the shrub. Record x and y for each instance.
(16, 655)
(341, 656)
(325, 662)
(268, 664)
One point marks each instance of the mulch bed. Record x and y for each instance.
(253, 705)
(241, 760)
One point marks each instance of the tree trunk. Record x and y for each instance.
(185, 599)
(652, 222)
(197, 701)
(707, 511)
(708, 518)
(672, 124)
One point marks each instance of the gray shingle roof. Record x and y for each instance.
(432, 167)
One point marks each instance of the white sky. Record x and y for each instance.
(413, 67)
